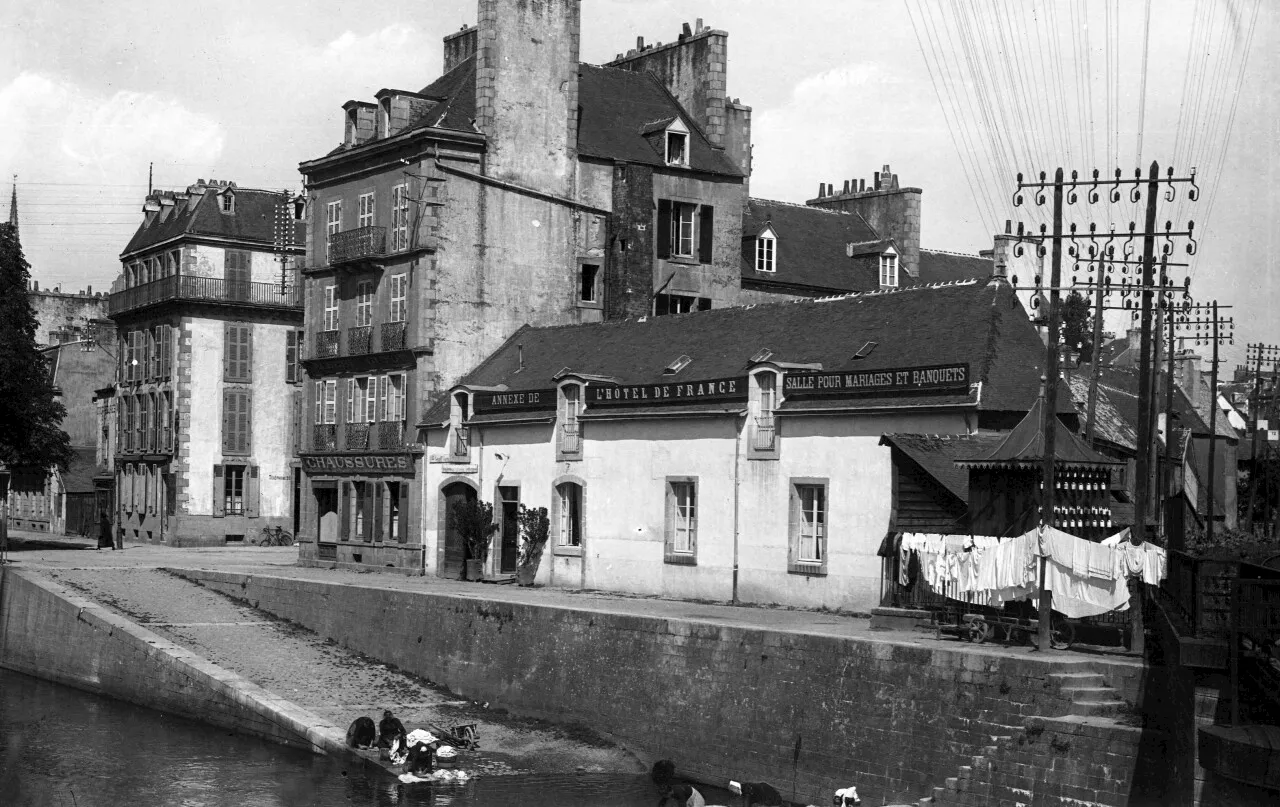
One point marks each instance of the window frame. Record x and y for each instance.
(568, 418)
(400, 217)
(332, 223)
(594, 289)
(797, 562)
(365, 292)
(243, 416)
(767, 252)
(678, 226)
(331, 321)
(231, 471)
(763, 405)
(673, 552)
(399, 298)
(568, 490)
(365, 207)
(889, 270)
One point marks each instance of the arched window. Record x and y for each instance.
(569, 522)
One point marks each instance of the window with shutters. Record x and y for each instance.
(568, 520)
(332, 225)
(131, 413)
(399, 284)
(685, 230)
(331, 308)
(681, 520)
(142, 425)
(364, 303)
(166, 351)
(166, 421)
(394, 405)
(400, 217)
(326, 410)
(238, 358)
(237, 270)
(807, 550)
(236, 426)
(156, 345)
(366, 210)
(293, 356)
(233, 477)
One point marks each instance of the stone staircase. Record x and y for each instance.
(1002, 769)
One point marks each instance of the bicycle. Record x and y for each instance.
(275, 536)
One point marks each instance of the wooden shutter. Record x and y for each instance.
(669, 523)
(228, 351)
(251, 491)
(228, 421)
(366, 532)
(219, 493)
(403, 512)
(663, 247)
(166, 350)
(246, 352)
(793, 527)
(376, 486)
(344, 526)
(706, 227)
(243, 433)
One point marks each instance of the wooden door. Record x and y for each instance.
(510, 496)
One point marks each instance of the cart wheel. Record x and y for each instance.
(979, 631)
(1061, 634)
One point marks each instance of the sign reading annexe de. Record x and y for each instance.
(936, 379)
(712, 390)
(515, 401)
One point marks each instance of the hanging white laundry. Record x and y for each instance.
(1116, 539)
(1102, 562)
(1077, 597)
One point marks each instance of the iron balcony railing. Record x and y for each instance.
(359, 244)
(204, 289)
(357, 436)
(570, 438)
(390, 434)
(393, 336)
(765, 434)
(324, 437)
(326, 344)
(462, 442)
(360, 340)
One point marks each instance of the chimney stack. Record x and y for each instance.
(459, 46)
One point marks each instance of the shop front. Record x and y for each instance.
(360, 511)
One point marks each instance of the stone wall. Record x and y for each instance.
(48, 633)
(807, 712)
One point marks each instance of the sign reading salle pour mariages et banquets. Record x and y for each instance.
(709, 391)
(938, 378)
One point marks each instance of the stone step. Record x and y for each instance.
(1077, 679)
(1097, 708)
(1079, 694)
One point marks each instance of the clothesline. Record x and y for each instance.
(1086, 578)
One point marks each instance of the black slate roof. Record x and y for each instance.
(813, 251)
(982, 324)
(937, 455)
(253, 220)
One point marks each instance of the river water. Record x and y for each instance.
(66, 748)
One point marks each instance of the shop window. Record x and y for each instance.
(397, 530)
(808, 527)
(681, 533)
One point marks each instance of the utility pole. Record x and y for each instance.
(1257, 352)
(1211, 328)
(1173, 539)
(1049, 409)
(1142, 480)
(1096, 369)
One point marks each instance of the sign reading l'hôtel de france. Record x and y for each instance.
(935, 378)
(711, 390)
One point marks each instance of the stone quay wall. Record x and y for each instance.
(807, 712)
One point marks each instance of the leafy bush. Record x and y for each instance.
(535, 528)
(475, 523)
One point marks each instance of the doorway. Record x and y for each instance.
(510, 499)
(326, 494)
(455, 550)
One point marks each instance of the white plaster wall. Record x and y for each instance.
(271, 419)
(846, 452)
(204, 429)
(209, 261)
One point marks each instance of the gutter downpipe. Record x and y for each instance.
(737, 483)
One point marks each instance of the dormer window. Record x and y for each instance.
(889, 270)
(767, 251)
(677, 143)
(228, 202)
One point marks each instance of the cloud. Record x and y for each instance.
(351, 46)
(70, 132)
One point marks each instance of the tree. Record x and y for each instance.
(30, 428)
(1077, 325)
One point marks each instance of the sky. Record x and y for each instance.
(956, 98)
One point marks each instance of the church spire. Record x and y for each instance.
(13, 206)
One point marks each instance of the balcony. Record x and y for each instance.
(358, 245)
(461, 443)
(393, 336)
(326, 344)
(570, 438)
(357, 437)
(206, 290)
(390, 435)
(324, 437)
(765, 434)
(359, 340)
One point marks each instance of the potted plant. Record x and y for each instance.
(534, 529)
(476, 526)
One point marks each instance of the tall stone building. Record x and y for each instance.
(520, 187)
(208, 314)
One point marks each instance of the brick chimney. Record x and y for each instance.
(459, 46)
(891, 210)
(1186, 371)
(527, 91)
(359, 118)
